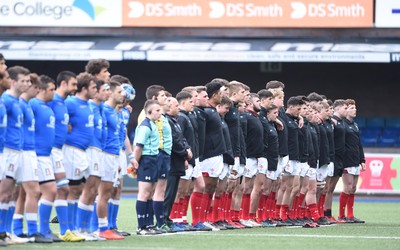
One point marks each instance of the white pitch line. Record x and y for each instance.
(64, 246)
(306, 236)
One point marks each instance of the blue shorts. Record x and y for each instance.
(164, 165)
(148, 168)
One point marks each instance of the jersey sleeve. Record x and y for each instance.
(141, 136)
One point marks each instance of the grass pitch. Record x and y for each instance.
(381, 231)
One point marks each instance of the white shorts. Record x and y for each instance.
(75, 162)
(111, 164)
(123, 161)
(188, 173)
(29, 166)
(271, 175)
(2, 166)
(311, 174)
(251, 168)
(224, 172)
(95, 157)
(262, 165)
(331, 169)
(352, 170)
(57, 158)
(322, 173)
(303, 168)
(213, 166)
(13, 164)
(196, 169)
(282, 162)
(45, 166)
(292, 168)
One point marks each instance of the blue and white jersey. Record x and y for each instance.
(112, 143)
(28, 126)
(44, 127)
(3, 124)
(81, 119)
(15, 118)
(98, 140)
(124, 120)
(62, 119)
(147, 137)
(167, 135)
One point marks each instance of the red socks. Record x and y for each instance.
(314, 211)
(195, 203)
(350, 205)
(342, 204)
(321, 204)
(246, 206)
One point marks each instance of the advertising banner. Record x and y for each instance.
(250, 13)
(387, 13)
(62, 13)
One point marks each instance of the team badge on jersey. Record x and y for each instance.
(96, 167)
(48, 172)
(11, 168)
(77, 172)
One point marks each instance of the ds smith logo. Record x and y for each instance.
(301, 10)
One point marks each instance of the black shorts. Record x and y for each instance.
(148, 168)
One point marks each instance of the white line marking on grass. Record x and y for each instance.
(62, 246)
(306, 236)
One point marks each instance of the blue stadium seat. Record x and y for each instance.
(375, 131)
(361, 121)
(369, 139)
(387, 139)
(392, 122)
(375, 122)
(391, 130)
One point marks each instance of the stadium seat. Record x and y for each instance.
(392, 122)
(369, 139)
(375, 122)
(391, 130)
(387, 139)
(373, 130)
(361, 122)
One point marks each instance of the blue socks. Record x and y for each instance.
(112, 220)
(83, 215)
(94, 220)
(31, 221)
(141, 213)
(72, 207)
(44, 215)
(158, 212)
(62, 215)
(18, 226)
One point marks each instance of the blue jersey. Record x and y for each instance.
(44, 127)
(124, 120)
(28, 126)
(81, 121)
(147, 137)
(167, 135)
(15, 118)
(62, 120)
(3, 124)
(98, 138)
(112, 143)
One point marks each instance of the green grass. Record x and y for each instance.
(382, 231)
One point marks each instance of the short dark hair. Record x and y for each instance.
(213, 87)
(64, 76)
(226, 101)
(253, 95)
(94, 66)
(339, 103)
(34, 79)
(44, 81)
(270, 108)
(17, 70)
(304, 98)
(350, 102)
(153, 90)
(201, 88)
(314, 97)
(114, 85)
(189, 89)
(221, 81)
(2, 57)
(147, 105)
(263, 94)
(120, 79)
(183, 95)
(329, 101)
(274, 84)
(295, 101)
(84, 80)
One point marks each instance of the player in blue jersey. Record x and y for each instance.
(28, 195)
(146, 149)
(110, 160)
(20, 82)
(81, 131)
(66, 84)
(124, 111)
(95, 155)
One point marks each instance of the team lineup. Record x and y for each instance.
(240, 159)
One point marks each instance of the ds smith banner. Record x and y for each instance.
(249, 13)
(78, 13)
